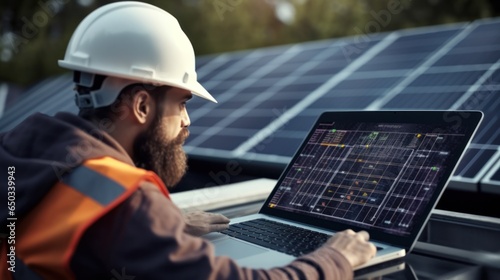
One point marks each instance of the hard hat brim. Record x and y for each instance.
(194, 86)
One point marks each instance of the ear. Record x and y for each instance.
(142, 106)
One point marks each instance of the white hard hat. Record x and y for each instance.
(132, 42)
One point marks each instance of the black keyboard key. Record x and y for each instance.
(278, 236)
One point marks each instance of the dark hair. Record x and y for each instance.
(112, 111)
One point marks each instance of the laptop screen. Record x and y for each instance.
(373, 170)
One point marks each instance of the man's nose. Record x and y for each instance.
(185, 119)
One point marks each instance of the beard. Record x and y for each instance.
(164, 157)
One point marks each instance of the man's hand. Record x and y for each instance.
(199, 223)
(353, 245)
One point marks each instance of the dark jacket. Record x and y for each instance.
(142, 238)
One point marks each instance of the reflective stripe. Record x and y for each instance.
(94, 185)
(23, 272)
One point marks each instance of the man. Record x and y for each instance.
(90, 191)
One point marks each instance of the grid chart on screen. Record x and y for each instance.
(371, 175)
(270, 97)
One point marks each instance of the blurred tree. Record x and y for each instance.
(34, 34)
(326, 19)
(225, 25)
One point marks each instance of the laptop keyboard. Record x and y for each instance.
(277, 236)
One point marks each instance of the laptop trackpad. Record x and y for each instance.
(236, 249)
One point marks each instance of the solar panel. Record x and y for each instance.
(423, 99)
(436, 68)
(49, 96)
(266, 89)
(491, 182)
(473, 166)
(270, 97)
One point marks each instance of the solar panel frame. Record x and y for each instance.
(490, 184)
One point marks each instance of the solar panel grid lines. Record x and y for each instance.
(276, 96)
(425, 99)
(476, 162)
(380, 74)
(491, 181)
(276, 88)
(256, 76)
(235, 65)
(431, 96)
(206, 64)
(492, 127)
(36, 94)
(211, 152)
(356, 102)
(477, 158)
(410, 49)
(456, 78)
(237, 113)
(482, 35)
(313, 96)
(66, 103)
(379, 103)
(471, 56)
(62, 102)
(475, 87)
(259, 57)
(201, 61)
(489, 103)
(36, 99)
(210, 70)
(480, 157)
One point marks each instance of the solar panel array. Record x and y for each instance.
(270, 97)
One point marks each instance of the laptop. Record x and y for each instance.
(379, 171)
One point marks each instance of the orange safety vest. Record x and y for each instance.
(47, 237)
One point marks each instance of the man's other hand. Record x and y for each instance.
(353, 245)
(199, 223)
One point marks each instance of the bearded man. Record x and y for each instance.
(91, 191)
